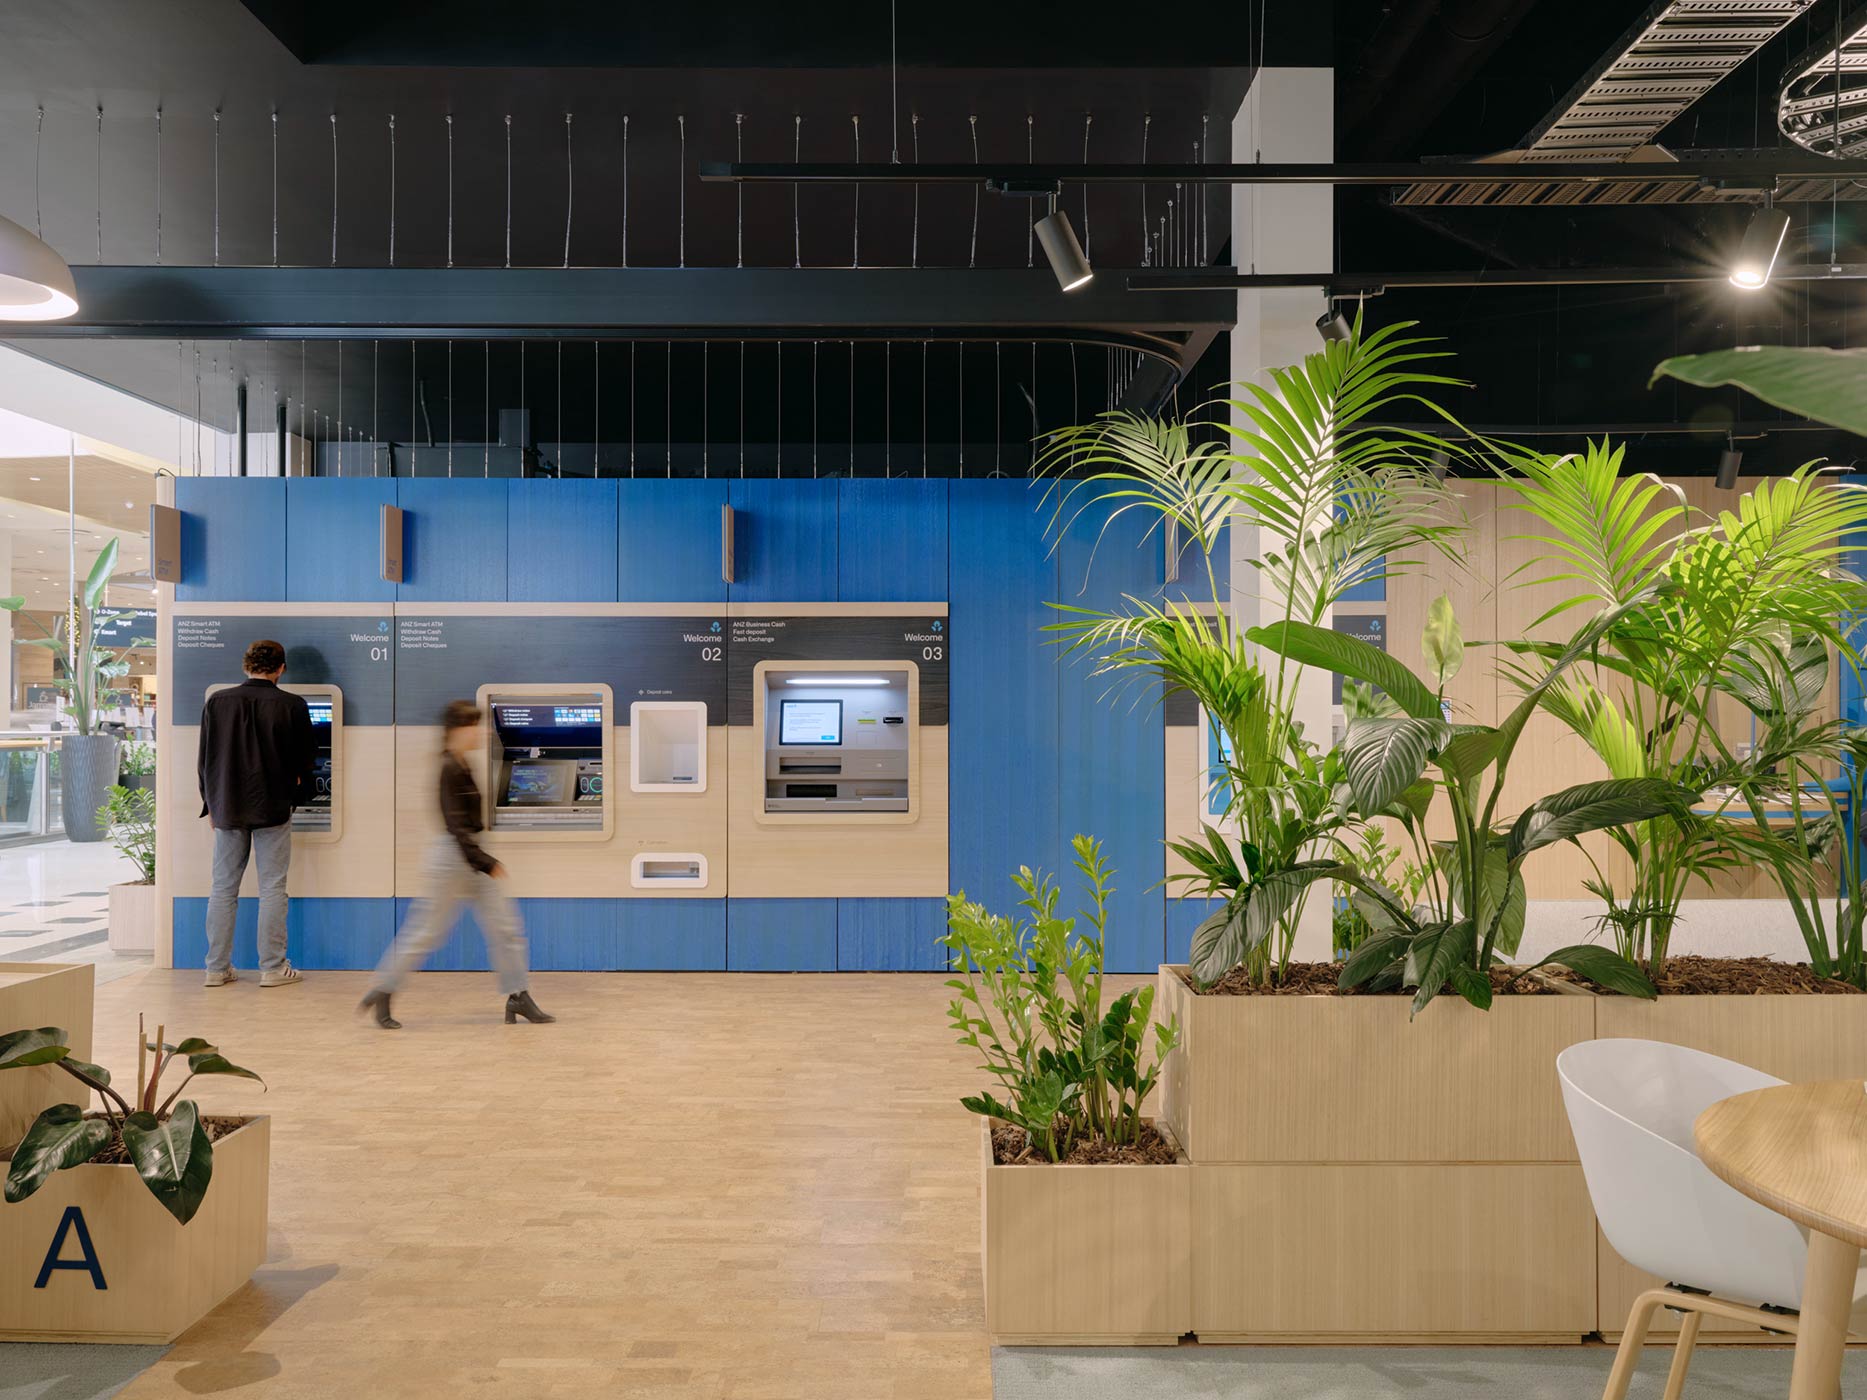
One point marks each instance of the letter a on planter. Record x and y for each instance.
(72, 1219)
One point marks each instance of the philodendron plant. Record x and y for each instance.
(1472, 917)
(165, 1141)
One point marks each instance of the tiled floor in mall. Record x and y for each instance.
(55, 905)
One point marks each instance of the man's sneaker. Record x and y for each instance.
(222, 978)
(282, 976)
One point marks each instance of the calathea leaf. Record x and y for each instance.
(1473, 985)
(1586, 807)
(1374, 957)
(59, 1137)
(1277, 894)
(1330, 650)
(1442, 641)
(173, 1157)
(1385, 757)
(1219, 942)
(1605, 966)
(19, 1049)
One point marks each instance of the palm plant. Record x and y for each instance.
(1337, 502)
(1741, 609)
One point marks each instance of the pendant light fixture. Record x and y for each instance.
(1756, 255)
(35, 283)
(1729, 462)
(1061, 250)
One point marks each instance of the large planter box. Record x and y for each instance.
(1095, 1256)
(42, 994)
(1798, 1038)
(126, 1271)
(1360, 1178)
(132, 918)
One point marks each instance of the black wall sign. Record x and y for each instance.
(922, 640)
(355, 654)
(445, 658)
(1372, 630)
(134, 627)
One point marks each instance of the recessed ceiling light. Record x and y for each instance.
(129, 505)
(34, 478)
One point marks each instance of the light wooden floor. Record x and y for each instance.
(691, 1186)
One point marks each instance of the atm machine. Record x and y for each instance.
(838, 742)
(326, 706)
(546, 751)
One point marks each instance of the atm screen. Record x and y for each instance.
(536, 784)
(810, 722)
(321, 719)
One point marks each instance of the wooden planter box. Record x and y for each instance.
(154, 1279)
(1086, 1256)
(1360, 1178)
(38, 994)
(132, 918)
(1797, 1038)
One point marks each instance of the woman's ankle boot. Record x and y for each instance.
(521, 1004)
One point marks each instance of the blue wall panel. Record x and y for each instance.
(1183, 916)
(1194, 586)
(781, 935)
(572, 935)
(454, 540)
(333, 539)
(561, 542)
(1113, 773)
(1004, 760)
(785, 541)
(233, 539)
(668, 541)
(671, 935)
(891, 540)
(320, 933)
(890, 935)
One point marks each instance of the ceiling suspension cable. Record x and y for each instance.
(681, 189)
(450, 189)
(972, 256)
(855, 236)
(392, 189)
(570, 175)
(333, 189)
(159, 181)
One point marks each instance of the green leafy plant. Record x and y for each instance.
(89, 668)
(1742, 608)
(129, 814)
(1473, 913)
(137, 759)
(1337, 502)
(1029, 997)
(1829, 386)
(165, 1141)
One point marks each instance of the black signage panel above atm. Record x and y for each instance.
(446, 657)
(355, 654)
(920, 639)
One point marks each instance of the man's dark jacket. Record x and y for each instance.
(256, 755)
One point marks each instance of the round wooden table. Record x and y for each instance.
(1801, 1150)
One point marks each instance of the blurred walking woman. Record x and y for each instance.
(457, 870)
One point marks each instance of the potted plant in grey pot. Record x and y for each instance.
(87, 760)
(137, 766)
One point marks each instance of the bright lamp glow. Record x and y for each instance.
(35, 283)
(1756, 256)
(834, 680)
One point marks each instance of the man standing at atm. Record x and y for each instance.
(255, 766)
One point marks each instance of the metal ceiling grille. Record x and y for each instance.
(1824, 91)
(1672, 56)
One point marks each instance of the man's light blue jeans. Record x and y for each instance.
(271, 849)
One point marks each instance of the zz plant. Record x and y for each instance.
(164, 1139)
(1069, 1065)
(1473, 917)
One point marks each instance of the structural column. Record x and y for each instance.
(6, 631)
(1287, 115)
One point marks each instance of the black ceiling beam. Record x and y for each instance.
(753, 304)
(1373, 283)
(1743, 173)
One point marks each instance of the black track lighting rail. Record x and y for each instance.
(1349, 284)
(1740, 173)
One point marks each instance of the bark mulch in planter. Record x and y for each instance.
(1690, 975)
(1011, 1147)
(1319, 979)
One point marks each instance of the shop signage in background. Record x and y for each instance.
(449, 657)
(134, 627)
(1369, 629)
(920, 639)
(356, 654)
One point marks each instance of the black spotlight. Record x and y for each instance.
(1439, 461)
(1729, 461)
(1333, 325)
(1062, 251)
(1756, 256)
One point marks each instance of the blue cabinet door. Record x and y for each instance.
(233, 539)
(891, 540)
(785, 542)
(454, 540)
(561, 541)
(668, 541)
(333, 539)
